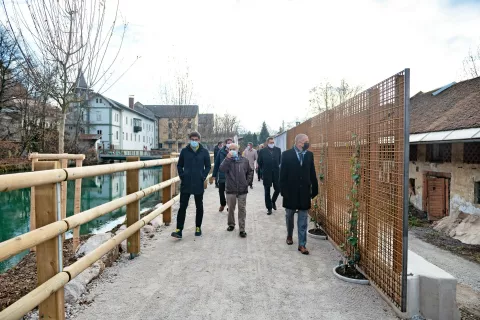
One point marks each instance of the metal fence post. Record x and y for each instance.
(133, 209)
(167, 191)
(49, 253)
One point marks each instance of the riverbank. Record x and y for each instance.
(13, 165)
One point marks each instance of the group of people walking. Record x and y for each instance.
(291, 174)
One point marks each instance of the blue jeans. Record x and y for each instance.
(302, 224)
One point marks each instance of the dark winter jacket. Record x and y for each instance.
(193, 168)
(238, 175)
(215, 152)
(220, 176)
(298, 183)
(269, 163)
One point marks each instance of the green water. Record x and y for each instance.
(15, 206)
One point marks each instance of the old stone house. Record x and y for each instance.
(445, 157)
(174, 124)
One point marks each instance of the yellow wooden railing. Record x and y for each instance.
(50, 226)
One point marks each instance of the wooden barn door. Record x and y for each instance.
(437, 198)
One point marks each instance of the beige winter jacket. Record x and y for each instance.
(251, 156)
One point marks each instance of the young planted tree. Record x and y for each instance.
(70, 39)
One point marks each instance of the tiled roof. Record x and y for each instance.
(173, 111)
(457, 107)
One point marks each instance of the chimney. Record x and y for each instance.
(131, 100)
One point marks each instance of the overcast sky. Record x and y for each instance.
(258, 59)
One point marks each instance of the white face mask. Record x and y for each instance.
(228, 145)
(271, 145)
(248, 148)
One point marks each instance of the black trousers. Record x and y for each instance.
(276, 193)
(221, 193)
(184, 198)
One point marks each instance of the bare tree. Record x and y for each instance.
(326, 96)
(178, 93)
(225, 126)
(471, 64)
(70, 39)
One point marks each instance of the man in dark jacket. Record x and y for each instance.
(298, 183)
(193, 168)
(269, 160)
(215, 152)
(238, 175)
(220, 176)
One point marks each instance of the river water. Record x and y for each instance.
(15, 206)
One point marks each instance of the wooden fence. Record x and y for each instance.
(51, 226)
(378, 120)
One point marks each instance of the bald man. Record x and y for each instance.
(298, 185)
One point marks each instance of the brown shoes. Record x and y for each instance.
(289, 241)
(303, 250)
(221, 208)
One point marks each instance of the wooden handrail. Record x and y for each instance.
(54, 156)
(15, 181)
(13, 246)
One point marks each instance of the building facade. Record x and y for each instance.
(445, 157)
(174, 123)
(120, 127)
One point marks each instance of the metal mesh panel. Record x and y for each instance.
(471, 152)
(376, 117)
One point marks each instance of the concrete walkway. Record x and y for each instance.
(222, 276)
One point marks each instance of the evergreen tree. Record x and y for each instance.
(264, 134)
(255, 140)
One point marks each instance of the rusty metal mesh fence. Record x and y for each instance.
(376, 117)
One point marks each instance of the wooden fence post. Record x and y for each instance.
(32, 201)
(77, 207)
(133, 209)
(167, 192)
(48, 263)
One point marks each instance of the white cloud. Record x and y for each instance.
(258, 59)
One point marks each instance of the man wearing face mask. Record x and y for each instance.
(239, 175)
(217, 149)
(220, 176)
(298, 184)
(251, 155)
(269, 160)
(193, 168)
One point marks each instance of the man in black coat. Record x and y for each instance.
(219, 176)
(298, 183)
(193, 168)
(269, 159)
(217, 148)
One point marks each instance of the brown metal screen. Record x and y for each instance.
(376, 117)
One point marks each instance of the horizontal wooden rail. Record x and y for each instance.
(15, 181)
(42, 292)
(55, 156)
(13, 246)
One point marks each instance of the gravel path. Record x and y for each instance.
(222, 276)
(467, 272)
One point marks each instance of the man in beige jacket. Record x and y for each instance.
(251, 155)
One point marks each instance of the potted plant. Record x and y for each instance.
(347, 269)
(317, 232)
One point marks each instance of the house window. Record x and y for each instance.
(99, 116)
(131, 122)
(96, 100)
(189, 124)
(143, 138)
(99, 131)
(439, 152)
(413, 152)
(116, 135)
(101, 100)
(477, 192)
(471, 152)
(131, 137)
(126, 120)
(70, 128)
(126, 137)
(160, 145)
